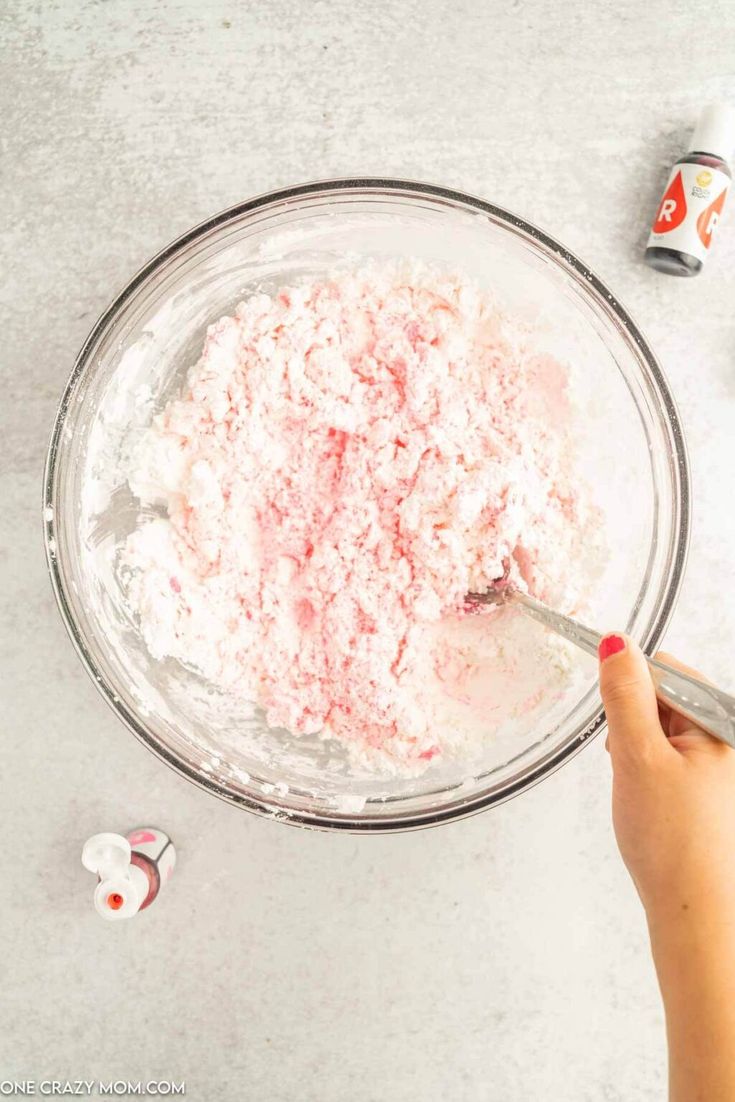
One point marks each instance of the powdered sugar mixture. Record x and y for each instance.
(348, 459)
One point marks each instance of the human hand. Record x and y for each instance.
(673, 791)
(674, 818)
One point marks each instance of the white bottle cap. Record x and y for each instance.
(122, 887)
(715, 131)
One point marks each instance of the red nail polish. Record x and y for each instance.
(611, 644)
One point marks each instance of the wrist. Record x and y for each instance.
(692, 933)
(694, 953)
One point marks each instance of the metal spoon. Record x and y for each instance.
(709, 708)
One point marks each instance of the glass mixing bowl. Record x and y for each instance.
(136, 357)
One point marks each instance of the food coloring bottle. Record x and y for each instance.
(131, 871)
(695, 197)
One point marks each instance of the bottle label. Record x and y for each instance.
(690, 210)
(157, 847)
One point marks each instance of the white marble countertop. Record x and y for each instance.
(501, 959)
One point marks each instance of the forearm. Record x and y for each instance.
(694, 951)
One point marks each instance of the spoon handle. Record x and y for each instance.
(708, 707)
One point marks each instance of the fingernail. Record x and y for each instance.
(611, 644)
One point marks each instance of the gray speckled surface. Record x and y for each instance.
(503, 958)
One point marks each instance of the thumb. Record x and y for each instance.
(629, 698)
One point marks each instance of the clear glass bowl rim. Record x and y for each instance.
(459, 808)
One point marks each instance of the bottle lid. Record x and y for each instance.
(122, 887)
(715, 131)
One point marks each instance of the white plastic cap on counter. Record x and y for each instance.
(122, 887)
(715, 131)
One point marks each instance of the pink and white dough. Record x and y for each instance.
(350, 457)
